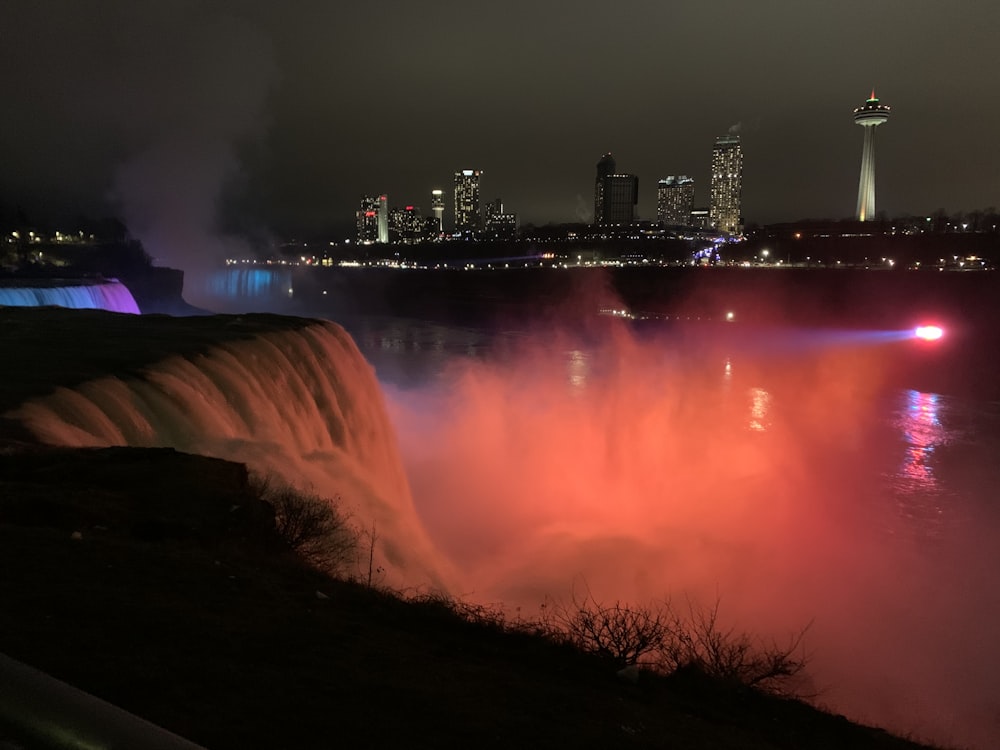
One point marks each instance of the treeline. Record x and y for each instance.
(87, 245)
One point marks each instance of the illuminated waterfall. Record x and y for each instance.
(107, 295)
(301, 404)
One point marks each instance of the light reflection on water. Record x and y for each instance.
(760, 407)
(926, 427)
(577, 367)
(921, 427)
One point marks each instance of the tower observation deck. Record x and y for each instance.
(869, 116)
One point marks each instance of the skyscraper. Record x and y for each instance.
(500, 225)
(726, 206)
(407, 225)
(372, 218)
(437, 207)
(383, 219)
(675, 200)
(869, 116)
(467, 216)
(615, 195)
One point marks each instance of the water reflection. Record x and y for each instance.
(760, 407)
(923, 433)
(920, 495)
(410, 353)
(577, 369)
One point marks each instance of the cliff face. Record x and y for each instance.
(149, 494)
(159, 290)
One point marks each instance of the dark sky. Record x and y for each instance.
(283, 114)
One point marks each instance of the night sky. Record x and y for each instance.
(272, 119)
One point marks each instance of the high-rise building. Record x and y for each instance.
(869, 116)
(725, 207)
(467, 216)
(437, 207)
(500, 225)
(370, 220)
(615, 195)
(407, 225)
(492, 209)
(675, 200)
(383, 219)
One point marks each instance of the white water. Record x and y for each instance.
(302, 405)
(110, 295)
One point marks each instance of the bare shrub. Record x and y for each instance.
(734, 656)
(660, 637)
(622, 633)
(311, 526)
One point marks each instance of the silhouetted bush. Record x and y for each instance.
(697, 639)
(663, 639)
(626, 635)
(311, 526)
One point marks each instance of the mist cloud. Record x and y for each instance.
(200, 91)
(654, 468)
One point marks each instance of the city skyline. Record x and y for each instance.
(192, 120)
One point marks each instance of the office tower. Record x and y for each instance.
(675, 200)
(869, 116)
(467, 217)
(727, 185)
(499, 224)
(437, 207)
(407, 225)
(492, 209)
(369, 224)
(383, 219)
(615, 195)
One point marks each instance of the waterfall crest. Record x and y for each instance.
(112, 296)
(303, 405)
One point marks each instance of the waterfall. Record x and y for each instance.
(303, 405)
(252, 282)
(106, 295)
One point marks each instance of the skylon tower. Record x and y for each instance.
(869, 116)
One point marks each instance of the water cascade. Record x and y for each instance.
(302, 405)
(112, 296)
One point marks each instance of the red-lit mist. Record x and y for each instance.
(696, 464)
(655, 467)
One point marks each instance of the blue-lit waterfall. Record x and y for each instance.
(103, 295)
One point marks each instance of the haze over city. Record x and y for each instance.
(283, 117)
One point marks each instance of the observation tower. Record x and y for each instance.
(868, 116)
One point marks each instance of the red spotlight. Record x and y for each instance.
(929, 333)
